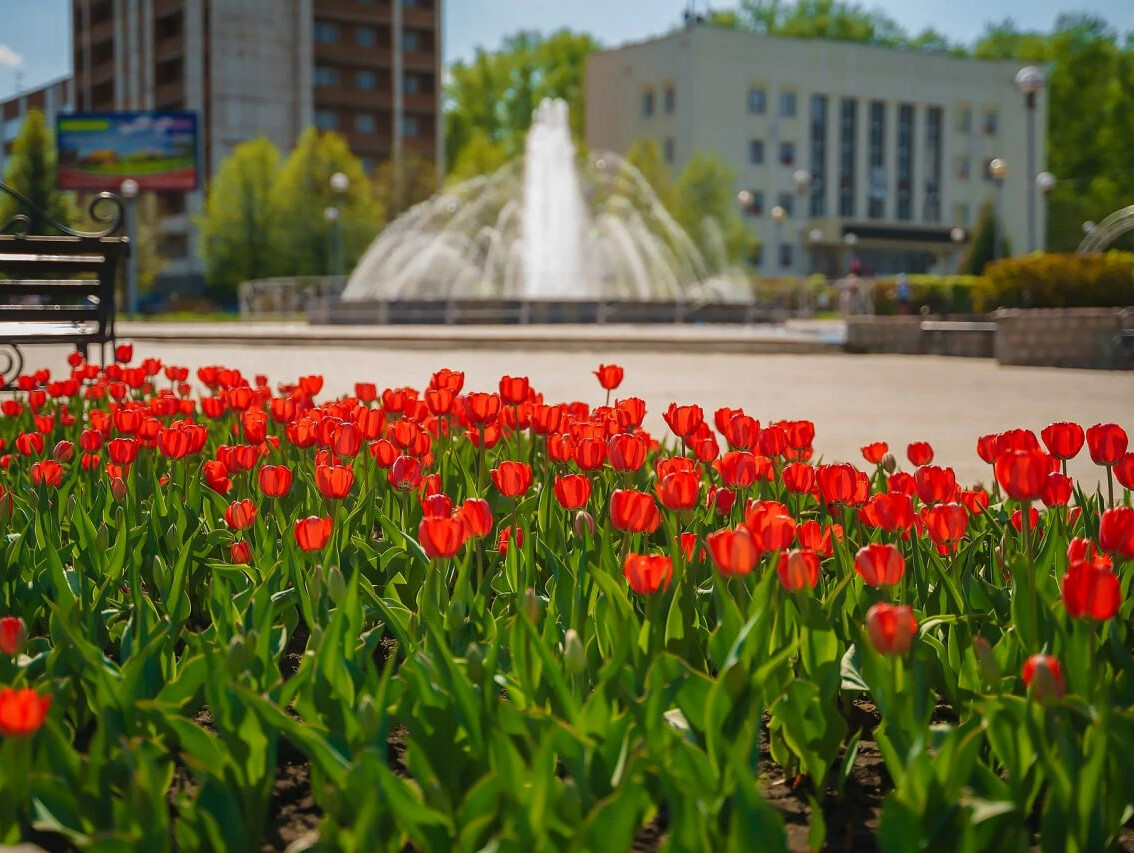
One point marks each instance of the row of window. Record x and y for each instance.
(327, 32)
(365, 123)
(366, 81)
(669, 101)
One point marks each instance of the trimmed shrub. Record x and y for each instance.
(940, 294)
(1067, 280)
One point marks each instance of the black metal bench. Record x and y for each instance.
(58, 289)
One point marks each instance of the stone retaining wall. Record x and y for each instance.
(1066, 337)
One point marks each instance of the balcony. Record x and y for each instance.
(351, 10)
(344, 96)
(422, 102)
(349, 53)
(419, 17)
(422, 60)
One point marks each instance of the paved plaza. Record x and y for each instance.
(852, 399)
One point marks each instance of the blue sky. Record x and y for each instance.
(35, 34)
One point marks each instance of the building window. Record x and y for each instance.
(326, 120)
(876, 193)
(786, 255)
(412, 84)
(668, 148)
(411, 41)
(647, 103)
(411, 127)
(787, 104)
(991, 121)
(365, 37)
(934, 118)
(905, 162)
(756, 203)
(368, 165)
(787, 153)
(364, 122)
(326, 32)
(757, 101)
(848, 120)
(365, 80)
(787, 202)
(965, 120)
(325, 76)
(756, 151)
(818, 198)
(670, 100)
(961, 168)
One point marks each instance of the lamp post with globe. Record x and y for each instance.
(1030, 80)
(340, 183)
(801, 178)
(998, 170)
(778, 217)
(1045, 183)
(128, 189)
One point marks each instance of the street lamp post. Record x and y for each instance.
(1045, 183)
(957, 235)
(778, 217)
(802, 180)
(1030, 80)
(340, 183)
(998, 169)
(128, 189)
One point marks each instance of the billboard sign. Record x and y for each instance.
(98, 151)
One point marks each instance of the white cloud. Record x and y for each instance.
(9, 57)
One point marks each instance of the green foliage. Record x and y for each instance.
(31, 171)
(828, 19)
(705, 206)
(941, 294)
(301, 236)
(497, 92)
(479, 156)
(988, 231)
(238, 221)
(396, 189)
(646, 156)
(1058, 281)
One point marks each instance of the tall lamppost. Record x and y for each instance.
(333, 214)
(1030, 80)
(802, 180)
(128, 189)
(778, 217)
(957, 235)
(998, 170)
(1045, 183)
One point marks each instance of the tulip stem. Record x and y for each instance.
(1110, 483)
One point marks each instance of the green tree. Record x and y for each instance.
(238, 220)
(986, 230)
(829, 19)
(31, 171)
(646, 156)
(301, 235)
(705, 206)
(397, 190)
(497, 92)
(480, 156)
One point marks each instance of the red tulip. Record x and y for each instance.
(514, 389)
(22, 712)
(798, 478)
(1044, 677)
(124, 353)
(334, 481)
(987, 449)
(1091, 591)
(935, 484)
(1057, 490)
(975, 500)
(798, 569)
(512, 479)
(1022, 473)
(275, 480)
(874, 452)
(880, 564)
(741, 431)
(572, 491)
(481, 409)
(609, 376)
(216, 476)
(47, 472)
(450, 380)
(439, 505)
(836, 483)
(590, 453)
(1063, 440)
(441, 537)
(1124, 470)
(812, 536)
(919, 453)
(892, 512)
(1107, 443)
(633, 512)
(240, 514)
(680, 490)
(1017, 519)
(1116, 532)
(684, 420)
(313, 533)
(405, 474)
(891, 628)
(946, 523)
(770, 524)
(239, 553)
(13, 635)
(631, 412)
(506, 537)
(734, 550)
(627, 451)
(648, 573)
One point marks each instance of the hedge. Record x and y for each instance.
(1066, 280)
(939, 294)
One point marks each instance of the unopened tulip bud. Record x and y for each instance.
(13, 635)
(529, 605)
(64, 452)
(118, 488)
(172, 539)
(584, 524)
(369, 720)
(574, 657)
(315, 585)
(336, 584)
(72, 502)
(103, 537)
(162, 576)
(889, 463)
(455, 615)
(474, 663)
(238, 655)
(1043, 677)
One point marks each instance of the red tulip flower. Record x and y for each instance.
(313, 533)
(891, 628)
(1091, 591)
(439, 505)
(22, 712)
(874, 452)
(919, 453)
(946, 524)
(798, 569)
(935, 484)
(405, 474)
(609, 376)
(275, 480)
(633, 512)
(987, 448)
(1116, 532)
(13, 635)
(441, 538)
(837, 483)
(1043, 676)
(798, 478)
(770, 524)
(124, 353)
(627, 451)
(1124, 470)
(684, 420)
(481, 409)
(334, 481)
(880, 564)
(47, 472)
(680, 490)
(514, 389)
(1063, 440)
(240, 514)
(1107, 443)
(512, 479)
(1057, 490)
(476, 515)
(572, 491)
(648, 573)
(734, 551)
(216, 477)
(1023, 473)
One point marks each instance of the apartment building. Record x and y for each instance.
(53, 98)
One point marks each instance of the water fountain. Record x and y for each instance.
(544, 227)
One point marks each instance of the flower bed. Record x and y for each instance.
(446, 619)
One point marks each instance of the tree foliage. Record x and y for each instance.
(238, 221)
(705, 206)
(31, 171)
(987, 231)
(396, 190)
